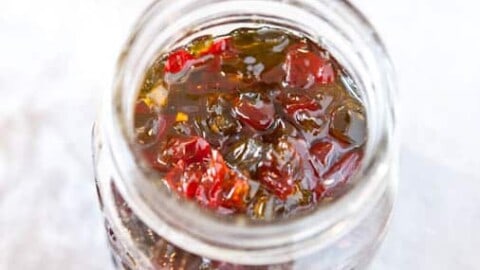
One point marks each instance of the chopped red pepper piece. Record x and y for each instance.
(255, 110)
(322, 151)
(293, 102)
(282, 167)
(343, 169)
(204, 175)
(319, 191)
(192, 178)
(190, 150)
(304, 68)
(174, 176)
(177, 61)
(277, 181)
(325, 74)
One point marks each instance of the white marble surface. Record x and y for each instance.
(56, 57)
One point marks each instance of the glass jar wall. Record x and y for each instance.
(149, 229)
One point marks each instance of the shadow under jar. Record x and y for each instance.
(150, 227)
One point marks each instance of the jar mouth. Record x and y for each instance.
(340, 28)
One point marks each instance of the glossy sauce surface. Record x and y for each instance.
(259, 122)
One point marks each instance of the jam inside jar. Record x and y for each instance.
(258, 122)
(241, 141)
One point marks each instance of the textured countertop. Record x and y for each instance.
(57, 56)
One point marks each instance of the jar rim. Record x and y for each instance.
(195, 230)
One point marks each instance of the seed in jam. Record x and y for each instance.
(258, 122)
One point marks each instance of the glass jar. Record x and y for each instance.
(150, 229)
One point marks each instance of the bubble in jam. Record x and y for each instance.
(258, 122)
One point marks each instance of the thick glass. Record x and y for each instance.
(150, 229)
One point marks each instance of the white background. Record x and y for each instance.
(57, 56)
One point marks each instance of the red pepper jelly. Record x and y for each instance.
(259, 122)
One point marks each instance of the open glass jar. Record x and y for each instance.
(149, 229)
